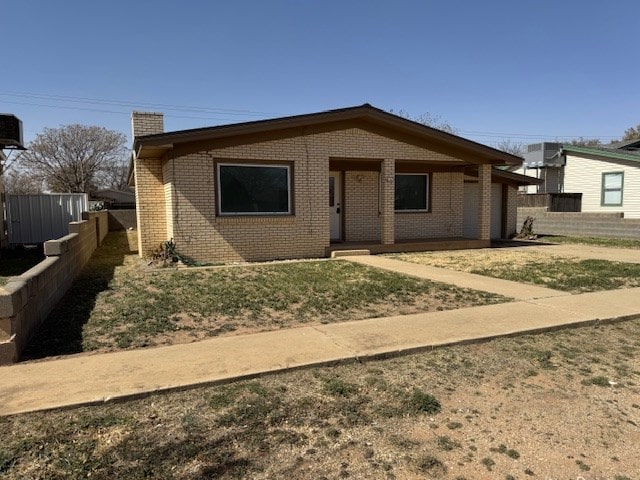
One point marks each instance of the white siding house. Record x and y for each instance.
(609, 180)
(607, 177)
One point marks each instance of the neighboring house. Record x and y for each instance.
(298, 186)
(114, 199)
(607, 177)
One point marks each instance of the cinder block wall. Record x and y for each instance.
(27, 300)
(122, 219)
(582, 224)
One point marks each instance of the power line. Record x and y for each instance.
(128, 103)
(226, 112)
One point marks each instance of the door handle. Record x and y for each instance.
(337, 208)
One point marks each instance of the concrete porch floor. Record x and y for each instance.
(418, 245)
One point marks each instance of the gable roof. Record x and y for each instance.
(627, 145)
(603, 153)
(455, 146)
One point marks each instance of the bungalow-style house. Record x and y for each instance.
(608, 177)
(301, 186)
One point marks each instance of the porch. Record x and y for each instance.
(417, 245)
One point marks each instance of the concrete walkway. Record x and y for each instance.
(519, 291)
(93, 379)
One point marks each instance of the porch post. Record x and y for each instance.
(387, 196)
(484, 202)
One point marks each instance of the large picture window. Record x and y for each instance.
(412, 192)
(612, 184)
(254, 189)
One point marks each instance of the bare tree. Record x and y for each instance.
(585, 142)
(514, 148)
(631, 133)
(74, 158)
(428, 119)
(17, 182)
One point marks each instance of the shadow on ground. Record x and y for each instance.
(17, 261)
(61, 332)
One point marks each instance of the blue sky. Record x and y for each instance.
(495, 70)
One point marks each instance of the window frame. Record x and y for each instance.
(287, 166)
(604, 190)
(427, 176)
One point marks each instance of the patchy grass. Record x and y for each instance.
(601, 242)
(18, 261)
(365, 420)
(557, 272)
(117, 304)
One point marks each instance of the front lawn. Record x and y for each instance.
(117, 304)
(538, 268)
(555, 405)
(601, 242)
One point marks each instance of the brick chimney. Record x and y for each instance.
(146, 123)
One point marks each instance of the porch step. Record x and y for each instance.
(349, 253)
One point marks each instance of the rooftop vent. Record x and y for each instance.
(540, 155)
(10, 132)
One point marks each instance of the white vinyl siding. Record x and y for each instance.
(584, 175)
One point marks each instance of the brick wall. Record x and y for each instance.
(361, 206)
(146, 123)
(444, 219)
(185, 188)
(27, 300)
(512, 211)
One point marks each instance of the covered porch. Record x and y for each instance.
(391, 205)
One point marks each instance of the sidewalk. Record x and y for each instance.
(93, 379)
(519, 291)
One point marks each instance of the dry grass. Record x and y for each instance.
(557, 405)
(560, 272)
(116, 303)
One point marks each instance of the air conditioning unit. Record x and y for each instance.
(10, 131)
(540, 155)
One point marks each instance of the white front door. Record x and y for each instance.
(335, 207)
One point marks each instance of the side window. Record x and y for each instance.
(612, 185)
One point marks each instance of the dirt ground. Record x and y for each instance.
(563, 405)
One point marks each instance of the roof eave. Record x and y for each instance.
(165, 141)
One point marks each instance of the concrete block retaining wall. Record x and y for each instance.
(582, 224)
(27, 300)
(122, 219)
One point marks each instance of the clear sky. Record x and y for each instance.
(524, 70)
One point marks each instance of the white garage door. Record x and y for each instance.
(470, 211)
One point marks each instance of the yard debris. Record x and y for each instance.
(526, 231)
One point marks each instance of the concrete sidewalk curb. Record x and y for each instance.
(118, 376)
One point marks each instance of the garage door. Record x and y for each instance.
(470, 211)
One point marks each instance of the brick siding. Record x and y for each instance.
(177, 198)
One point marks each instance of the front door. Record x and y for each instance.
(335, 208)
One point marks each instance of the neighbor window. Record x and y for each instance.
(412, 192)
(612, 184)
(254, 189)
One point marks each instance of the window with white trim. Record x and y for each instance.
(412, 192)
(254, 189)
(612, 184)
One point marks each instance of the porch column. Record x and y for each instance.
(387, 201)
(484, 202)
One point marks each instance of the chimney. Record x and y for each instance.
(146, 123)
